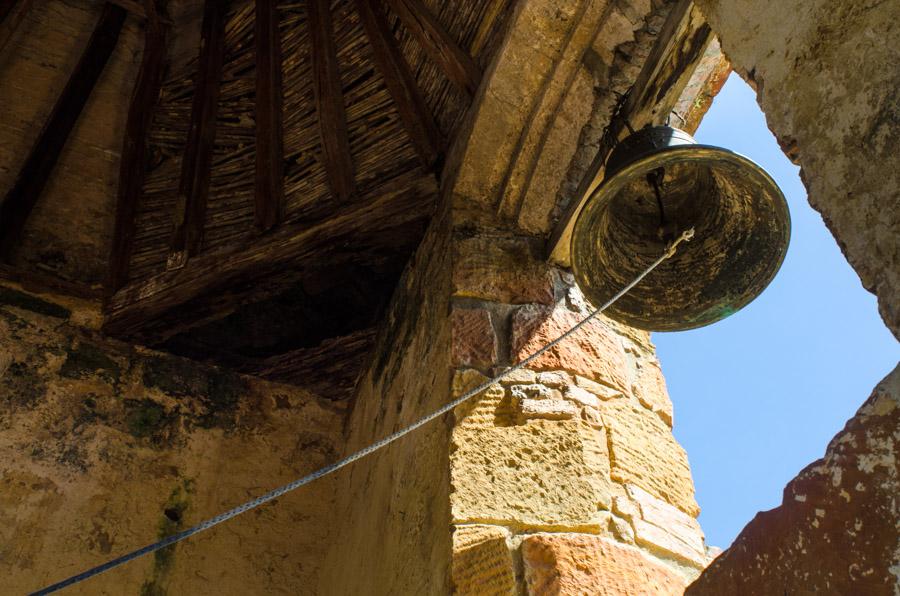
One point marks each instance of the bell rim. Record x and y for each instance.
(608, 188)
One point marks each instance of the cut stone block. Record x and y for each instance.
(576, 564)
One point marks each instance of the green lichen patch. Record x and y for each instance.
(219, 391)
(84, 360)
(174, 376)
(31, 303)
(21, 385)
(87, 413)
(73, 457)
(222, 398)
(171, 522)
(145, 418)
(14, 322)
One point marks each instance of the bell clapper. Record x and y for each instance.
(666, 230)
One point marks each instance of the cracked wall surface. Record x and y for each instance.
(826, 78)
(106, 448)
(825, 75)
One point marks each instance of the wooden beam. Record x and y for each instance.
(401, 85)
(45, 152)
(330, 100)
(457, 65)
(133, 163)
(213, 284)
(269, 190)
(674, 57)
(193, 190)
(12, 12)
(139, 9)
(6, 7)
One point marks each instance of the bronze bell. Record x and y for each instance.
(658, 183)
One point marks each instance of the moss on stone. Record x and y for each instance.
(225, 389)
(86, 359)
(22, 385)
(219, 391)
(170, 523)
(145, 417)
(174, 376)
(31, 303)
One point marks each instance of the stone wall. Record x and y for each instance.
(837, 529)
(826, 77)
(571, 459)
(106, 448)
(565, 478)
(392, 518)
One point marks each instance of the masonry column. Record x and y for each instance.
(565, 477)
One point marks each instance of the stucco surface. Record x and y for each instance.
(826, 76)
(105, 448)
(836, 530)
(391, 532)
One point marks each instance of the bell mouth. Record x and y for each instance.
(742, 231)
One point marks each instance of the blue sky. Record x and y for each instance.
(759, 395)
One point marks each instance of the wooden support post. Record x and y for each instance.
(42, 158)
(197, 161)
(400, 83)
(457, 65)
(134, 148)
(330, 100)
(269, 190)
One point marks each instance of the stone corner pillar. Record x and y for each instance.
(565, 477)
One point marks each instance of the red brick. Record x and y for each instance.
(474, 340)
(594, 351)
(563, 564)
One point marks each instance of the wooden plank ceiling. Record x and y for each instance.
(273, 184)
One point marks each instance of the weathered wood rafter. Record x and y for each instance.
(218, 278)
(269, 188)
(133, 163)
(396, 138)
(456, 64)
(11, 14)
(674, 57)
(140, 9)
(36, 171)
(197, 161)
(332, 114)
(400, 83)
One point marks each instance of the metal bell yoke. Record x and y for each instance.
(659, 182)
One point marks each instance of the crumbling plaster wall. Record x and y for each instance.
(391, 520)
(105, 448)
(826, 76)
